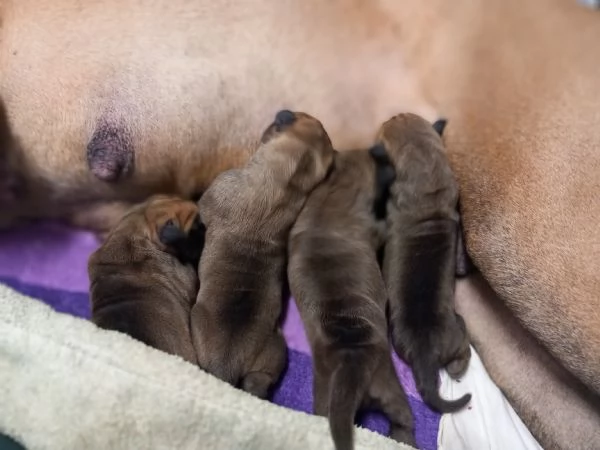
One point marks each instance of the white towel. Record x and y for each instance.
(65, 384)
(489, 422)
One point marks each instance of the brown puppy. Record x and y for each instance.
(420, 256)
(248, 214)
(143, 278)
(337, 283)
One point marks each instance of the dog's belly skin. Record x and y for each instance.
(190, 93)
(568, 417)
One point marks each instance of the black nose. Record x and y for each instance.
(284, 117)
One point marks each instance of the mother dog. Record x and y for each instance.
(108, 101)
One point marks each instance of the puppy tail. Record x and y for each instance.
(425, 370)
(346, 390)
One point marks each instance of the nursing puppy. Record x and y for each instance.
(144, 277)
(336, 281)
(248, 214)
(420, 256)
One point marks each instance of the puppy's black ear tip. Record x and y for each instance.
(388, 175)
(197, 224)
(284, 117)
(197, 234)
(439, 125)
(170, 233)
(378, 152)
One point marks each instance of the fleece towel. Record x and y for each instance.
(48, 261)
(488, 422)
(66, 384)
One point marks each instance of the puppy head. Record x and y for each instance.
(164, 223)
(173, 224)
(300, 146)
(406, 129)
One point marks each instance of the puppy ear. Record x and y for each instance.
(385, 172)
(187, 247)
(170, 233)
(384, 177)
(439, 126)
(379, 154)
(195, 242)
(284, 117)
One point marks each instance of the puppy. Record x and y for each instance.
(420, 255)
(248, 214)
(144, 277)
(336, 281)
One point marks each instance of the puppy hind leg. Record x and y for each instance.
(320, 390)
(458, 364)
(257, 384)
(387, 394)
(267, 367)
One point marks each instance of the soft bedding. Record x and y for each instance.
(49, 262)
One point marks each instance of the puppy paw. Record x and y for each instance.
(403, 435)
(457, 368)
(257, 383)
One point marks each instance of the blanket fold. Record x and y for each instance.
(66, 384)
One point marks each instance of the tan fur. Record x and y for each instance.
(339, 290)
(138, 284)
(248, 214)
(560, 411)
(194, 81)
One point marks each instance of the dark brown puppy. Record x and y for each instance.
(420, 256)
(144, 277)
(336, 281)
(248, 214)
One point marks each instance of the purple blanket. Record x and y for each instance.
(49, 262)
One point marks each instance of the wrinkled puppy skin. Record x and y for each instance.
(248, 214)
(336, 281)
(420, 256)
(144, 277)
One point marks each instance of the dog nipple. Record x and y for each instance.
(110, 153)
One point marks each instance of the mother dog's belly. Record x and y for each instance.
(185, 86)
